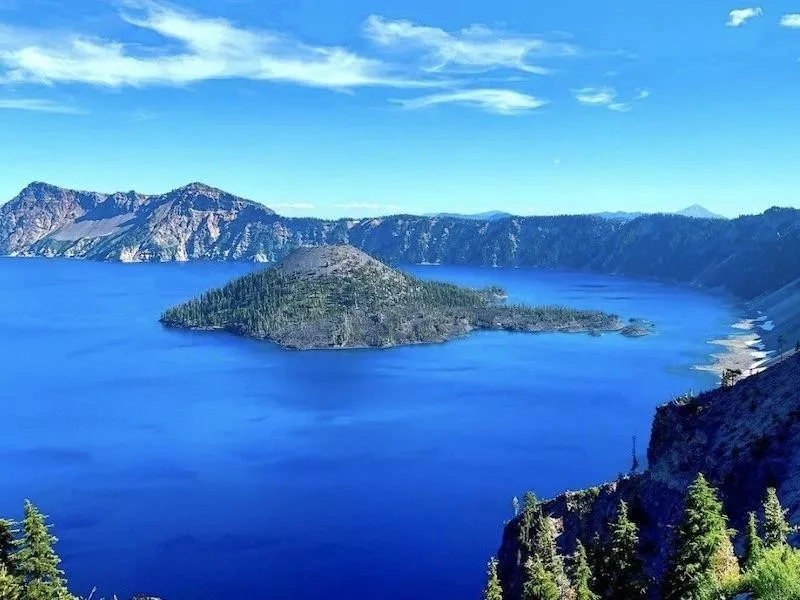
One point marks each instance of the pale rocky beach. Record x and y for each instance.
(743, 349)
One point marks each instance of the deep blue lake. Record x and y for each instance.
(201, 466)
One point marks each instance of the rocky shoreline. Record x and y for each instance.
(743, 350)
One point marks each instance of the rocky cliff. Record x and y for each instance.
(752, 257)
(45, 220)
(744, 439)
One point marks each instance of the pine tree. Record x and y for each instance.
(546, 551)
(598, 564)
(8, 545)
(753, 546)
(703, 560)
(776, 528)
(38, 562)
(530, 511)
(539, 583)
(10, 588)
(582, 575)
(493, 590)
(544, 546)
(625, 575)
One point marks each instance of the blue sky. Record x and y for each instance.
(343, 107)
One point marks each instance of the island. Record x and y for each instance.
(340, 297)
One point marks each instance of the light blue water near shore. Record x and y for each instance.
(203, 466)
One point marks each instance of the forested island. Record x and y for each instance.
(340, 297)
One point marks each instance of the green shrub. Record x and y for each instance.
(775, 576)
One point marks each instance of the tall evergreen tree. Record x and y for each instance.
(545, 551)
(582, 575)
(8, 545)
(539, 582)
(493, 590)
(626, 579)
(597, 553)
(703, 560)
(753, 546)
(38, 562)
(528, 518)
(776, 528)
(544, 546)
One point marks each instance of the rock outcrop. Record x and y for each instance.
(744, 439)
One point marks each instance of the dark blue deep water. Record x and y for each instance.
(202, 466)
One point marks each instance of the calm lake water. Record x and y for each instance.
(201, 466)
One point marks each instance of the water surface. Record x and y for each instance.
(203, 466)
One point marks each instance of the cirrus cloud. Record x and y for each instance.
(497, 101)
(38, 105)
(607, 97)
(475, 48)
(292, 205)
(212, 49)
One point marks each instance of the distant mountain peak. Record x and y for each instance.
(492, 215)
(40, 186)
(696, 211)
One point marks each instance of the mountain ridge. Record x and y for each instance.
(751, 257)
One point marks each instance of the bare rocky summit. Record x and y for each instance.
(340, 297)
(322, 261)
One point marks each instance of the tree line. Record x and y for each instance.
(29, 565)
(703, 565)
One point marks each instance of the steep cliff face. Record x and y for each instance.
(744, 439)
(44, 220)
(750, 257)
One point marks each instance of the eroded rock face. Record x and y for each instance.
(743, 439)
(45, 220)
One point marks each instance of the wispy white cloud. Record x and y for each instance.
(740, 16)
(475, 48)
(142, 115)
(38, 105)
(187, 48)
(595, 96)
(497, 101)
(791, 20)
(292, 206)
(211, 49)
(607, 97)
